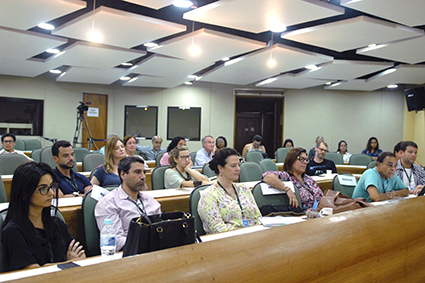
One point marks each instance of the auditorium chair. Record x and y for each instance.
(268, 165)
(195, 195)
(250, 171)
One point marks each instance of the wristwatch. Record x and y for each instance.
(76, 194)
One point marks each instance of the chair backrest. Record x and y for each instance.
(20, 145)
(371, 164)
(157, 159)
(92, 160)
(250, 171)
(79, 153)
(193, 157)
(46, 156)
(254, 156)
(157, 177)
(281, 154)
(32, 144)
(90, 226)
(3, 196)
(268, 165)
(344, 189)
(195, 195)
(36, 154)
(278, 199)
(9, 162)
(360, 159)
(207, 171)
(335, 157)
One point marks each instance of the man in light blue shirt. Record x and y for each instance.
(381, 182)
(205, 154)
(151, 152)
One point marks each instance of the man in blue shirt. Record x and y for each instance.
(70, 183)
(381, 183)
(205, 154)
(151, 152)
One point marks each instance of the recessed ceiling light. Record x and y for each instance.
(312, 67)
(392, 86)
(271, 63)
(95, 36)
(183, 3)
(188, 83)
(225, 59)
(126, 64)
(231, 62)
(46, 26)
(133, 79)
(194, 50)
(278, 28)
(192, 76)
(328, 83)
(267, 81)
(53, 50)
(125, 78)
(150, 44)
(56, 71)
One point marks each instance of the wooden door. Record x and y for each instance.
(247, 126)
(97, 125)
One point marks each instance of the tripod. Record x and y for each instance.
(80, 120)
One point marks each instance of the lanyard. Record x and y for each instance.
(73, 184)
(236, 193)
(307, 187)
(408, 177)
(141, 210)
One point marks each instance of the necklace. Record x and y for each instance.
(188, 178)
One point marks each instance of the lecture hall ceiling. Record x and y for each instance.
(347, 45)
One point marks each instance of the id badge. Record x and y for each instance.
(315, 204)
(245, 223)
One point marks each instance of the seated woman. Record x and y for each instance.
(254, 146)
(107, 175)
(180, 175)
(288, 143)
(129, 142)
(294, 171)
(220, 143)
(174, 143)
(225, 205)
(31, 237)
(342, 149)
(372, 148)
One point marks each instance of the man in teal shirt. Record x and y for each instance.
(381, 182)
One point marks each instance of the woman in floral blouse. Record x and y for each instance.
(294, 168)
(225, 205)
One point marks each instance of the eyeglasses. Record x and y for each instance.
(9, 141)
(302, 159)
(44, 189)
(185, 157)
(321, 149)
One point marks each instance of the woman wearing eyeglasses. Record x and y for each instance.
(31, 237)
(181, 175)
(294, 170)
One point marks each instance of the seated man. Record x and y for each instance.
(312, 151)
(127, 201)
(412, 175)
(151, 152)
(319, 165)
(206, 153)
(8, 141)
(255, 146)
(71, 184)
(381, 183)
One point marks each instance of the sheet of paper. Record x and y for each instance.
(98, 192)
(279, 220)
(347, 180)
(269, 190)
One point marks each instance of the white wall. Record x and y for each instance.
(353, 116)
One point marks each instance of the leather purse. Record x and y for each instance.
(160, 231)
(340, 202)
(280, 210)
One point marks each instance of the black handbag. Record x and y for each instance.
(160, 231)
(281, 209)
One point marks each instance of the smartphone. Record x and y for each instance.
(67, 265)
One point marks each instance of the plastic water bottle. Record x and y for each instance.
(107, 240)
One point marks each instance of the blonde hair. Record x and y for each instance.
(109, 153)
(174, 153)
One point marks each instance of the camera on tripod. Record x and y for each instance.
(83, 107)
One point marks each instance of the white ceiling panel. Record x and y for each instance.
(167, 67)
(292, 81)
(239, 14)
(404, 74)
(345, 70)
(119, 28)
(16, 44)
(89, 75)
(359, 85)
(352, 33)
(151, 81)
(154, 4)
(408, 12)
(233, 75)
(287, 58)
(407, 51)
(95, 56)
(25, 14)
(24, 68)
(213, 46)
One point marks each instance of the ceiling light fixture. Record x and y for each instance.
(183, 3)
(125, 78)
(46, 26)
(225, 59)
(278, 28)
(389, 71)
(53, 51)
(267, 81)
(94, 36)
(55, 71)
(126, 64)
(392, 86)
(150, 44)
(312, 67)
(231, 62)
(133, 79)
(188, 83)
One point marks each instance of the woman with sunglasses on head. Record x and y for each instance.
(181, 175)
(294, 170)
(31, 237)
